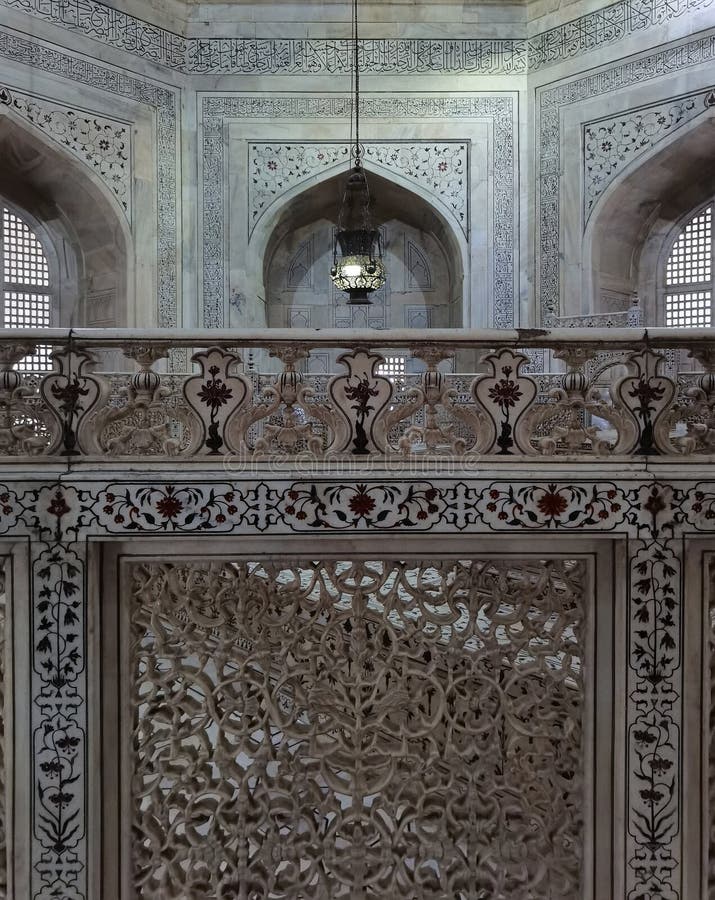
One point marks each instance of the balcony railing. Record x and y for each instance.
(621, 393)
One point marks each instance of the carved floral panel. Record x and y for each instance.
(342, 729)
(439, 168)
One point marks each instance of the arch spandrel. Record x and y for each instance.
(80, 218)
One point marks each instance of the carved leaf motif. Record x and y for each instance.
(70, 394)
(505, 395)
(216, 396)
(362, 397)
(644, 397)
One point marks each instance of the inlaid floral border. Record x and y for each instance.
(652, 517)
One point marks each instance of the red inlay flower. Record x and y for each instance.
(361, 503)
(215, 393)
(552, 504)
(655, 502)
(505, 392)
(169, 507)
(58, 505)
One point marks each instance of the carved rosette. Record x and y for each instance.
(215, 396)
(362, 397)
(505, 395)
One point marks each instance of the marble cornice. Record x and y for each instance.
(315, 56)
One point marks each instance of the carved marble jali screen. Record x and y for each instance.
(3, 785)
(357, 729)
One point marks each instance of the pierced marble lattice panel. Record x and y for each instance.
(710, 624)
(341, 729)
(3, 779)
(690, 260)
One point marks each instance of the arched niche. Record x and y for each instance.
(77, 221)
(423, 257)
(624, 244)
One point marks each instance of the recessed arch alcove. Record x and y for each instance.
(78, 224)
(626, 240)
(423, 256)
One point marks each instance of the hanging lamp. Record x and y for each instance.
(357, 250)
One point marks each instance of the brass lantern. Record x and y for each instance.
(357, 249)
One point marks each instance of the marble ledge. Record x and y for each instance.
(348, 470)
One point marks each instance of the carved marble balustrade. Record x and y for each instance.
(255, 395)
(439, 603)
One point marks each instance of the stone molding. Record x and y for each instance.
(265, 56)
(218, 109)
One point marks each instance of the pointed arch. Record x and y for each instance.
(80, 219)
(625, 238)
(320, 198)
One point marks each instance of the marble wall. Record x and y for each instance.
(522, 135)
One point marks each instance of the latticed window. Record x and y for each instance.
(689, 273)
(27, 295)
(393, 367)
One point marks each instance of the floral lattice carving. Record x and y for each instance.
(353, 729)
